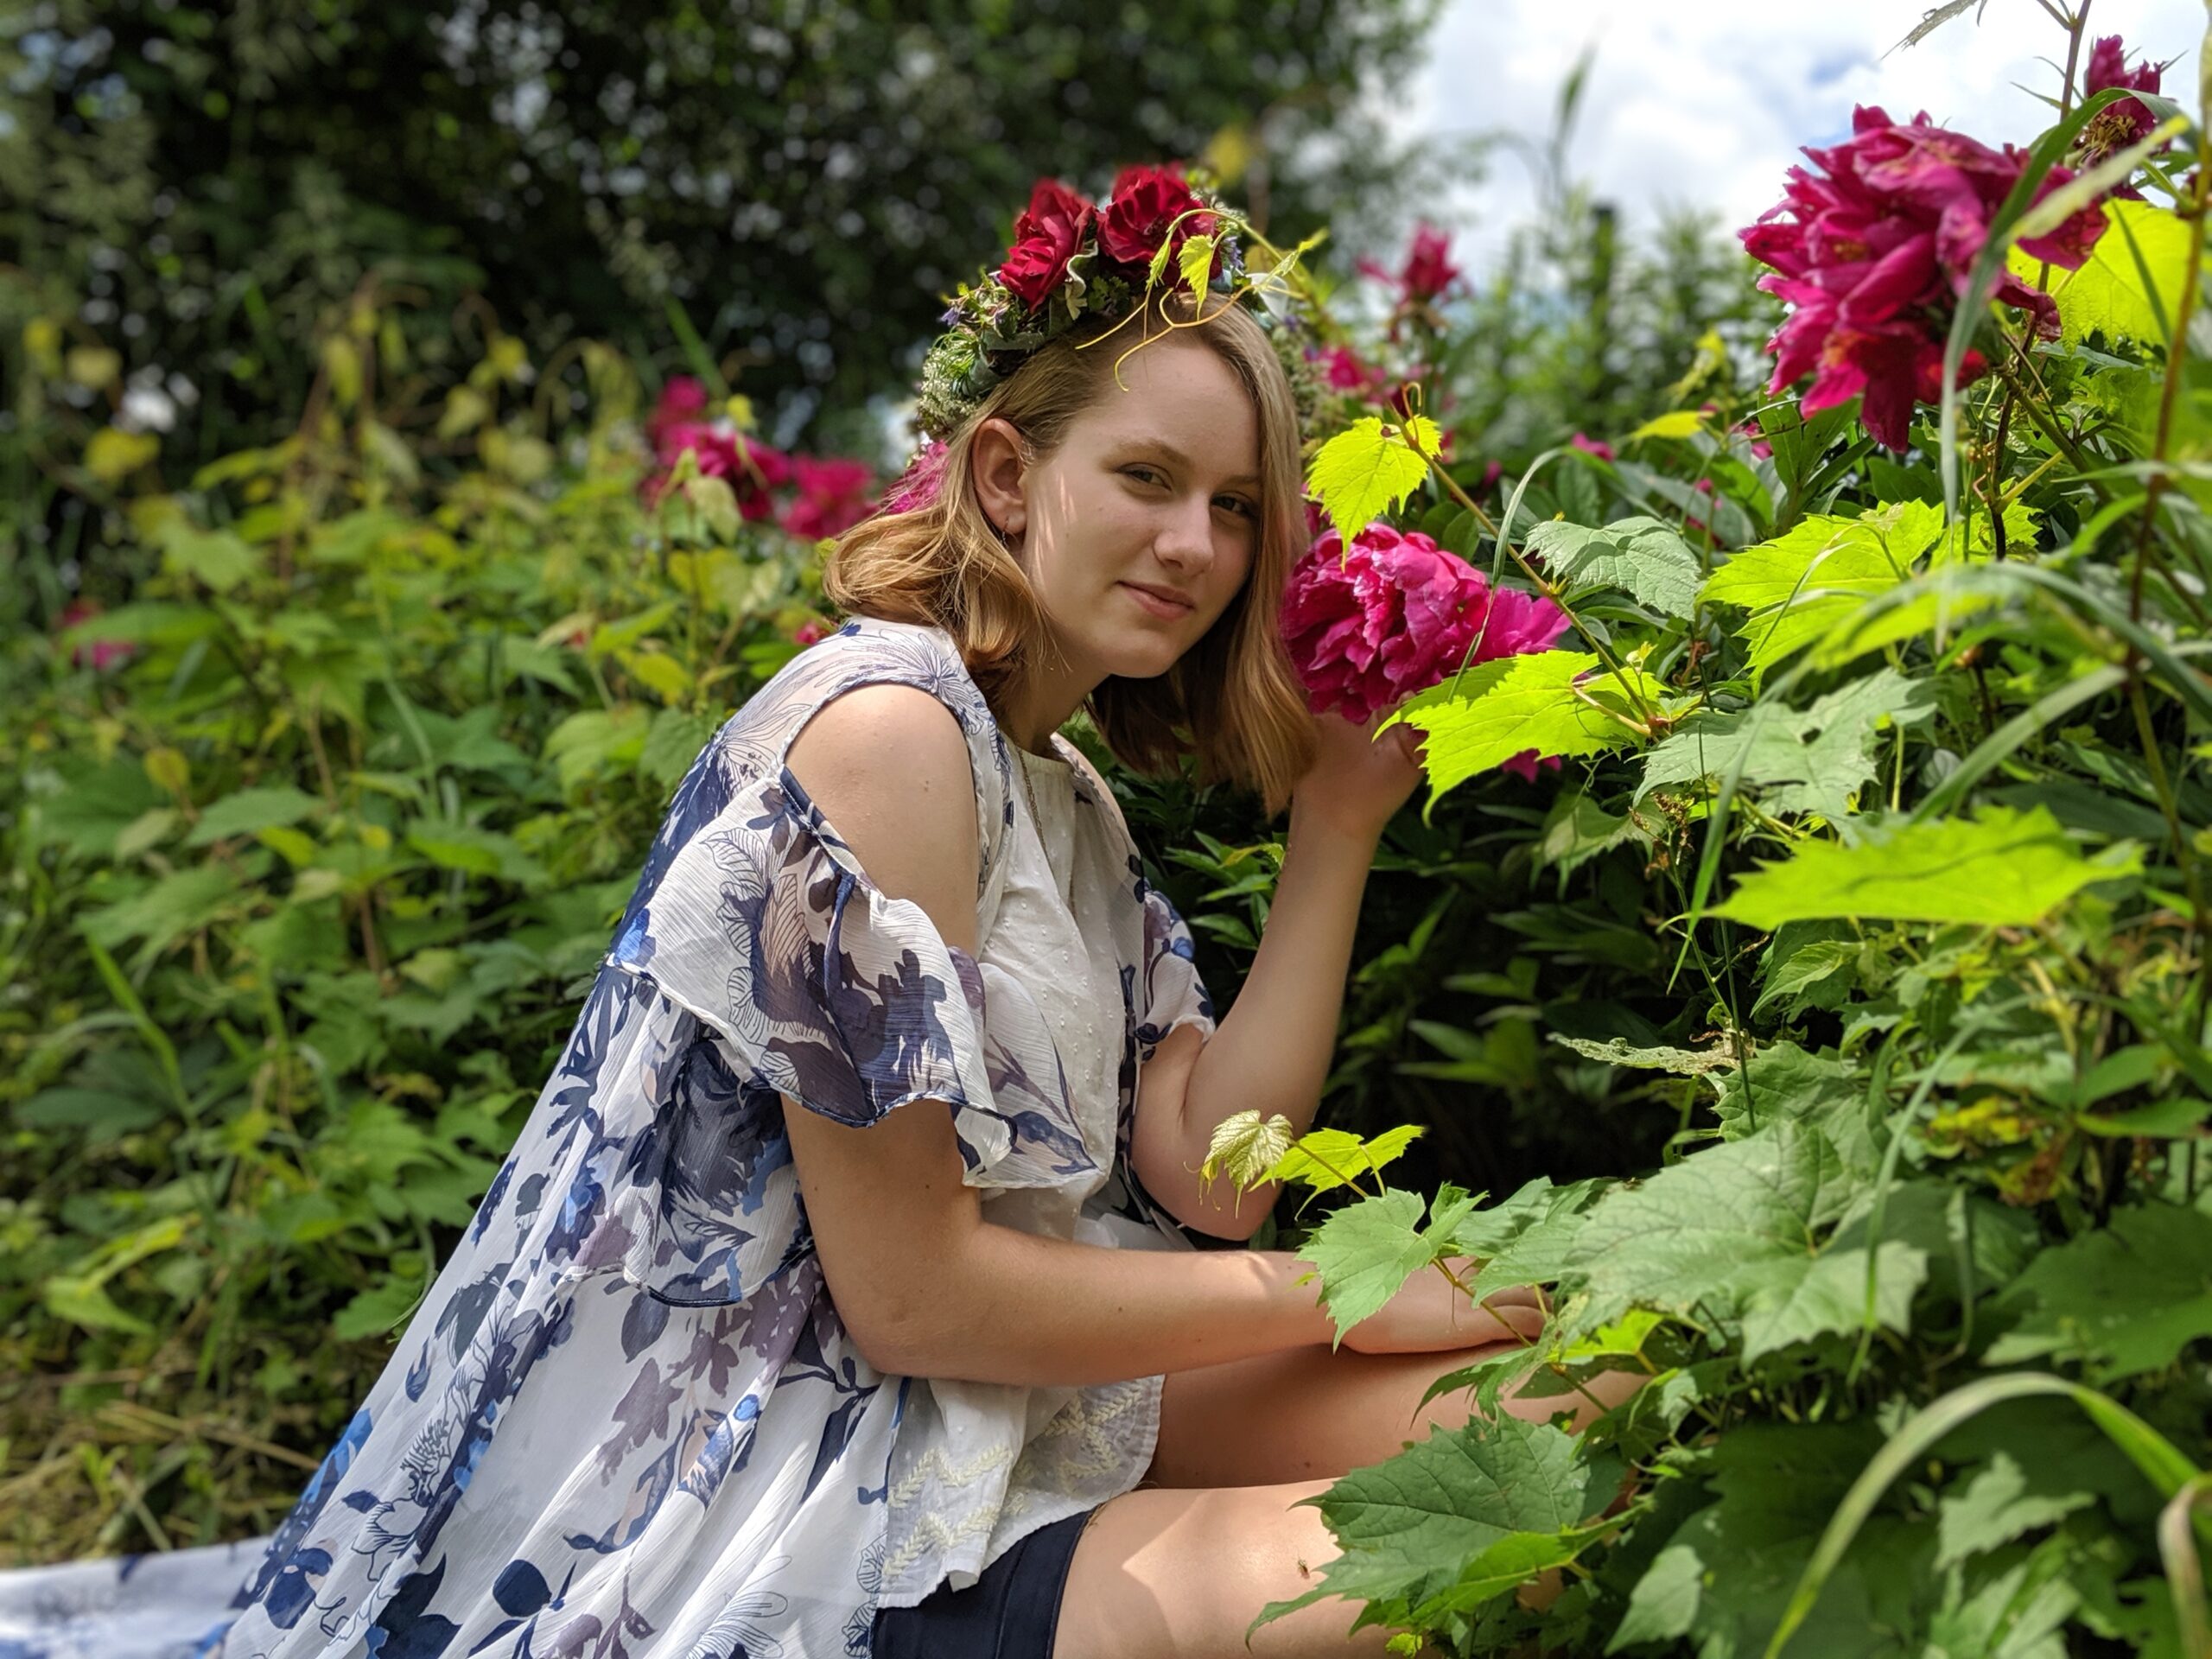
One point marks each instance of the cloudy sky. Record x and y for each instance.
(1707, 101)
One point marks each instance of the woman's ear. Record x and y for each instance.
(996, 461)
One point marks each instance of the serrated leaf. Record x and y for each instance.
(672, 743)
(1244, 1147)
(1411, 1526)
(2108, 294)
(1825, 553)
(2002, 868)
(1810, 761)
(2001, 1502)
(1195, 264)
(217, 559)
(1681, 1062)
(1729, 1233)
(1641, 556)
(477, 851)
(2123, 1300)
(1367, 469)
(1513, 704)
(250, 811)
(1325, 1160)
(1365, 1251)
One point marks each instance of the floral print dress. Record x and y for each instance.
(627, 1422)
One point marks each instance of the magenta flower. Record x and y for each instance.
(1342, 369)
(1428, 272)
(1369, 627)
(833, 497)
(751, 469)
(99, 654)
(2124, 121)
(812, 632)
(1590, 446)
(682, 398)
(917, 487)
(1873, 257)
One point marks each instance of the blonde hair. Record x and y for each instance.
(1234, 692)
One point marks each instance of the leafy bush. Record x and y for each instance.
(1898, 751)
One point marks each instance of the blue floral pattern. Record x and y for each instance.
(627, 1421)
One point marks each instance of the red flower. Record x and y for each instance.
(1342, 369)
(1590, 446)
(1428, 272)
(1047, 235)
(1873, 257)
(832, 497)
(1145, 202)
(811, 632)
(751, 469)
(682, 398)
(1369, 627)
(2125, 120)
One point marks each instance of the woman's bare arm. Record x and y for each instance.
(924, 1283)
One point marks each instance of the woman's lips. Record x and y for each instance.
(1165, 609)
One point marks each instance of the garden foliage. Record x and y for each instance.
(1827, 1022)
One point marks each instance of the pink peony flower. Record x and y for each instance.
(682, 398)
(1342, 369)
(2124, 121)
(751, 469)
(1047, 235)
(1428, 273)
(832, 497)
(917, 487)
(1523, 765)
(1590, 446)
(1873, 257)
(1369, 627)
(1144, 202)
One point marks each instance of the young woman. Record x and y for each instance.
(840, 1296)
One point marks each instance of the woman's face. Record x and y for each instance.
(1157, 487)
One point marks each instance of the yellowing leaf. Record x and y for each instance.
(1368, 468)
(2002, 869)
(114, 455)
(1680, 423)
(2109, 293)
(1244, 1147)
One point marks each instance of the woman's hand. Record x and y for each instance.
(1356, 783)
(1431, 1314)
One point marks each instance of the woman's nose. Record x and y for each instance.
(1187, 539)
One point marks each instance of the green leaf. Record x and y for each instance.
(1411, 1526)
(1195, 264)
(673, 743)
(1365, 1251)
(2001, 1502)
(1325, 1160)
(174, 905)
(1663, 1605)
(1813, 761)
(476, 851)
(379, 1310)
(1825, 553)
(1515, 703)
(1681, 1062)
(1729, 1233)
(1676, 423)
(1244, 1147)
(2121, 1300)
(1368, 468)
(85, 1301)
(250, 811)
(2002, 869)
(2109, 295)
(217, 558)
(1642, 557)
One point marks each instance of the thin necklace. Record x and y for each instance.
(1030, 789)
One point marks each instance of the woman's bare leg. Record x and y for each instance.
(1310, 1413)
(1179, 1574)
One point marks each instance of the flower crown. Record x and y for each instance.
(1159, 229)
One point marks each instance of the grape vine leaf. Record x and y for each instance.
(1816, 761)
(1365, 1251)
(1681, 1062)
(2002, 1501)
(1413, 1526)
(1244, 1146)
(1729, 1233)
(2121, 1300)
(1828, 553)
(1532, 701)
(2108, 295)
(1324, 1159)
(1368, 468)
(1525, 1239)
(2003, 867)
(1663, 1605)
(1644, 558)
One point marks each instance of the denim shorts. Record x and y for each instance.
(1010, 1612)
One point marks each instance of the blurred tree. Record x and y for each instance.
(192, 186)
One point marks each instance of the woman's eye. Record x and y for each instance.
(1142, 475)
(1236, 503)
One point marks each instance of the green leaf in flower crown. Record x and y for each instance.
(1642, 557)
(2110, 295)
(2003, 867)
(2122, 1300)
(1368, 468)
(1729, 1233)
(1195, 263)
(1410, 1527)
(1540, 702)
(1810, 761)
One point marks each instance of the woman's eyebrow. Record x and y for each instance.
(1169, 452)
